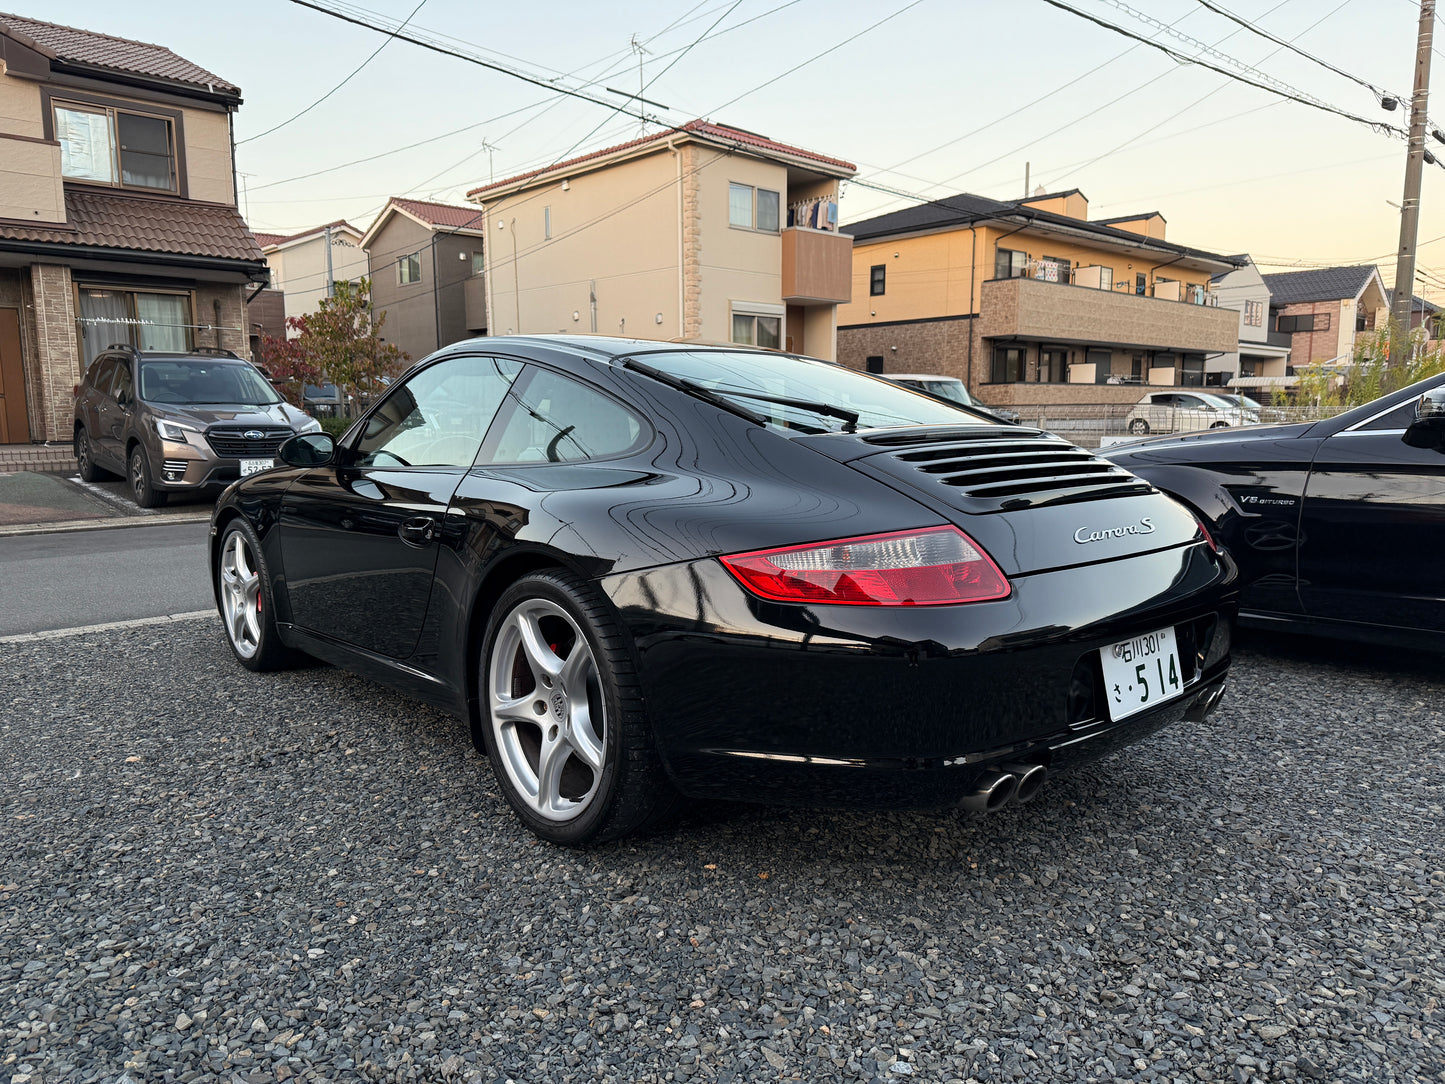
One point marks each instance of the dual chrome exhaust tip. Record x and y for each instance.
(996, 788)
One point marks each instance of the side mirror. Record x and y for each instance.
(1428, 429)
(307, 450)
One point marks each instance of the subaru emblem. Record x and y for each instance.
(253, 434)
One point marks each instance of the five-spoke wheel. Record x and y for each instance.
(243, 593)
(563, 717)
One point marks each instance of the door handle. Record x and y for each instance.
(418, 531)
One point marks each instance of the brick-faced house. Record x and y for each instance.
(118, 219)
(1324, 311)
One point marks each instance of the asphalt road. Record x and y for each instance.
(215, 875)
(75, 578)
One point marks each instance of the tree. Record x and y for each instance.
(339, 343)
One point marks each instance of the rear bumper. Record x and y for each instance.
(872, 707)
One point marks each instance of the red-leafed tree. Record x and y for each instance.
(338, 343)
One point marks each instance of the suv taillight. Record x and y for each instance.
(937, 566)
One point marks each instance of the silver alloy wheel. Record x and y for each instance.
(549, 722)
(82, 452)
(138, 475)
(241, 595)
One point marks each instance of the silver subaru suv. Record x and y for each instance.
(178, 422)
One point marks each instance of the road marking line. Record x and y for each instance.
(57, 634)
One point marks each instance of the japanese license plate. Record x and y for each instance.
(1141, 673)
(255, 466)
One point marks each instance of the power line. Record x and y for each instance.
(1182, 58)
(1254, 29)
(355, 71)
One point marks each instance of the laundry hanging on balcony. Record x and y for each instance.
(815, 214)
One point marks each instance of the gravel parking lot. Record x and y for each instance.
(214, 875)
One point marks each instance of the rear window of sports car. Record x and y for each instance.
(878, 403)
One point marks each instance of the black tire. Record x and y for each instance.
(142, 487)
(1220, 425)
(1138, 425)
(630, 793)
(252, 636)
(84, 458)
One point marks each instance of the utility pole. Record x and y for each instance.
(330, 277)
(1414, 166)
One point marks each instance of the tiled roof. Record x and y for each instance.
(703, 129)
(440, 214)
(1324, 284)
(266, 240)
(114, 54)
(964, 209)
(1416, 302)
(141, 224)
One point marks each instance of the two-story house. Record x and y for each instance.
(304, 265)
(698, 233)
(1324, 311)
(1031, 302)
(1262, 359)
(426, 271)
(118, 218)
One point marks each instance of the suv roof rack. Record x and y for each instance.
(212, 351)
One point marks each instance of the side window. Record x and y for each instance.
(439, 416)
(101, 374)
(555, 419)
(1402, 417)
(123, 391)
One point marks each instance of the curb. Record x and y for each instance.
(109, 626)
(104, 524)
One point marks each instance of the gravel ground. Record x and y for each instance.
(213, 875)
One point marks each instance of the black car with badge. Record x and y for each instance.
(1336, 525)
(643, 572)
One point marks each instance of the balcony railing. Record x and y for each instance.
(817, 265)
(1098, 277)
(1030, 308)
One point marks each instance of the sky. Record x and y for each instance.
(927, 97)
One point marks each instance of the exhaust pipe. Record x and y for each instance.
(992, 792)
(1030, 778)
(1204, 705)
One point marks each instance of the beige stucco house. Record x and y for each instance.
(699, 233)
(299, 267)
(118, 218)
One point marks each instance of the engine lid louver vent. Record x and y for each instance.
(993, 471)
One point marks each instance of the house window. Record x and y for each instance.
(1317, 321)
(1051, 269)
(1141, 285)
(145, 319)
(752, 208)
(1254, 313)
(1052, 365)
(873, 363)
(1008, 364)
(877, 278)
(752, 330)
(479, 263)
(116, 147)
(546, 223)
(408, 269)
(1009, 264)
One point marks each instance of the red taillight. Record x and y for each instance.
(1209, 538)
(937, 566)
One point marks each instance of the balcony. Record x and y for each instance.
(817, 266)
(1026, 308)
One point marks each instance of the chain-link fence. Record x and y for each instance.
(1091, 424)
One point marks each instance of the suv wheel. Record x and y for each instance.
(89, 472)
(141, 487)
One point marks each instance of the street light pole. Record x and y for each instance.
(1414, 166)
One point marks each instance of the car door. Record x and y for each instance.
(114, 413)
(94, 401)
(1191, 415)
(360, 537)
(1372, 521)
(1161, 412)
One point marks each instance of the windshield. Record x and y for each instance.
(233, 383)
(949, 389)
(878, 403)
(1218, 402)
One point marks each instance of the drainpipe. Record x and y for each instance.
(681, 252)
(1157, 266)
(516, 275)
(972, 267)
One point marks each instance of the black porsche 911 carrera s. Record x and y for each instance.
(645, 571)
(1336, 525)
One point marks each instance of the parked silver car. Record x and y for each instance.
(950, 388)
(173, 423)
(1185, 412)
